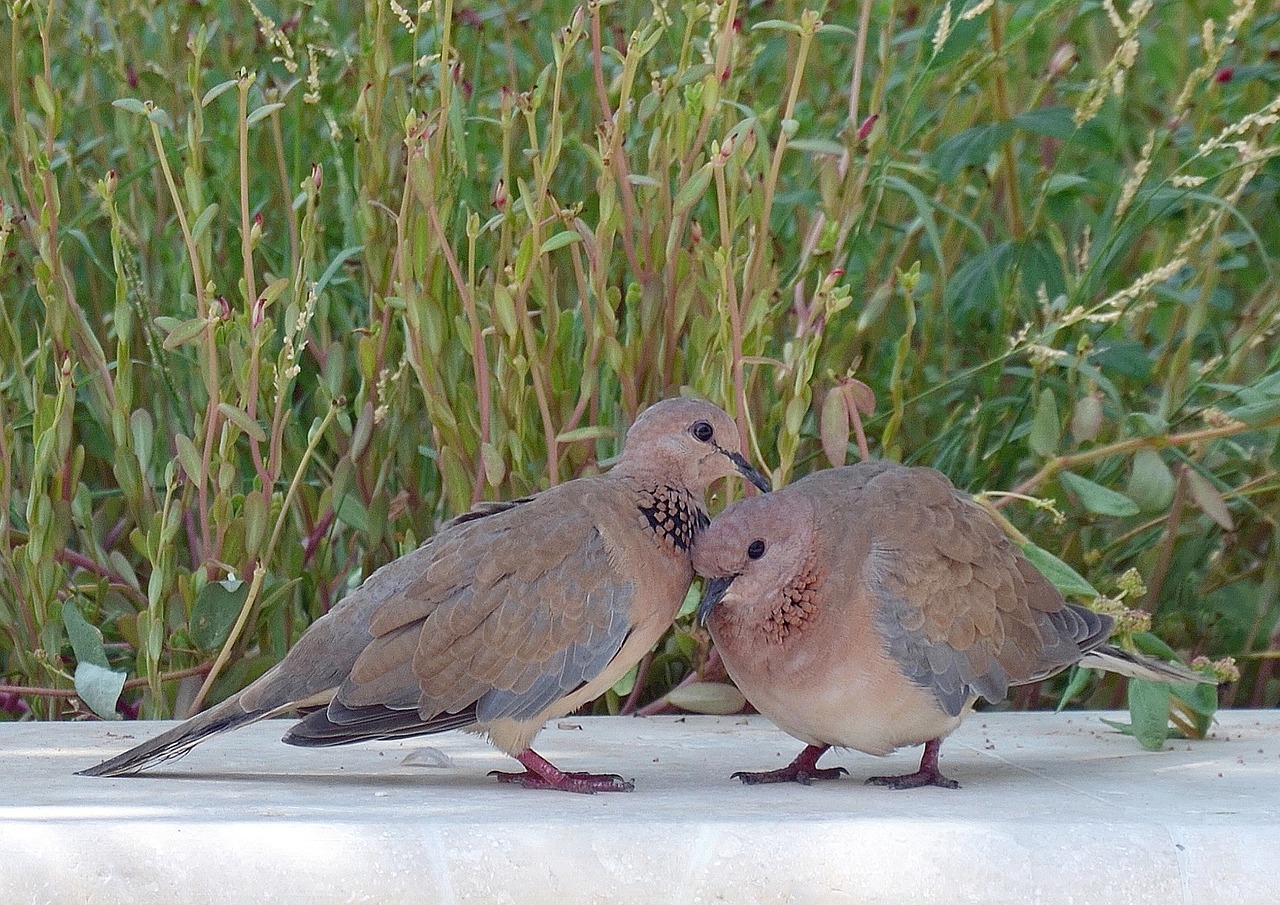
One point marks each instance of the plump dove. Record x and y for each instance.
(869, 606)
(510, 615)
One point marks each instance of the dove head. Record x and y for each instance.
(689, 441)
(756, 557)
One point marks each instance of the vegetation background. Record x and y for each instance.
(285, 284)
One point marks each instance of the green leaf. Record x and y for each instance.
(1151, 483)
(130, 105)
(1066, 579)
(44, 97)
(623, 686)
(339, 259)
(692, 190)
(1046, 426)
(693, 74)
(972, 147)
(216, 92)
(495, 467)
(99, 688)
(96, 683)
(86, 640)
(593, 432)
(1149, 710)
(202, 222)
(240, 418)
(264, 111)
(185, 332)
(692, 598)
(1097, 498)
(1257, 413)
(559, 240)
(974, 289)
(817, 146)
(1079, 679)
(777, 25)
(1202, 697)
(215, 611)
(1154, 645)
(1060, 183)
(161, 117)
(352, 512)
(188, 457)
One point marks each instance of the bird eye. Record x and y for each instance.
(755, 549)
(702, 431)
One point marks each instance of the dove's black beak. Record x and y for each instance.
(749, 472)
(713, 589)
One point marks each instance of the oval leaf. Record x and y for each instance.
(1149, 710)
(1209, 500)
(1151, 483)
(834, 427)
(215, 611)
(1046, 429)
(240, 418)
(86, 640)
(593, 432)
(185, 332)
(717, 698)
(216, 92)
(1097, 498)
(99, 688)
(559, 240)
(1086, 419)
(1066, 579)
(692, 190)
(260, 113)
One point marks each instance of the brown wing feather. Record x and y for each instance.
(514, 610)
(960, 608)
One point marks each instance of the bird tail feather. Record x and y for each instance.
(1110, 658)
(179, 740)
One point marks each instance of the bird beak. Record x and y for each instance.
(747, 471)
(712, 591)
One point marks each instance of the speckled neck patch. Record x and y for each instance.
(673, 515)
(797, 607)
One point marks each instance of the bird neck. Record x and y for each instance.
(672, 514)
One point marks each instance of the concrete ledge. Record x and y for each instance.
(1052, 809)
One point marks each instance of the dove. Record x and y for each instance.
(869, 606)
(511, 614)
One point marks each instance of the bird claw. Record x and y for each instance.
(914, 780)
(583, 783)
(789, 773)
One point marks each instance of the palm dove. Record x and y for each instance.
(512, 614)
(869, 606)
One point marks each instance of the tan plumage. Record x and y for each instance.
(512, 614)
(869, 606)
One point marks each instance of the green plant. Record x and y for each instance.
(285, 286)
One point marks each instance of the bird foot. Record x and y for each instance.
(927, 775)
(914, 780)
(585, 783)
(804, 770)
(540, 773)
(790, 773)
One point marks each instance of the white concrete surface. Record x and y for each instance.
(1052, 809)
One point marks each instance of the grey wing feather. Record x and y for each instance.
(572, 667)
(936, 667)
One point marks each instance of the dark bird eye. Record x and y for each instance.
(755, 549)
(702, 431)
